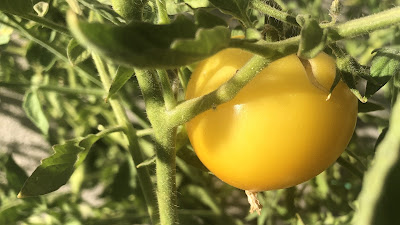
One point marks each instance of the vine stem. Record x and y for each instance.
(134, 149)
(165, 139)
(275, 13)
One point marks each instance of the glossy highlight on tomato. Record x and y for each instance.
(280, 130)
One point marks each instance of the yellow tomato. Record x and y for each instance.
(279, 130)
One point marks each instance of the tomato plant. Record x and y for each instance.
(280, 129)
(111, 85)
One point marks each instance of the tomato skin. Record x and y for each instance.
(279, 130)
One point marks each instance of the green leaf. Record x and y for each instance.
(148, 162)
(147, 45)
(313, 39)
(18, 7)
(76, 53)
(5, 34)
(205, 19)
(351, 83)
(122, 76)
(102, 9)
(236, 8)
(379, 197)
(385, 64)
(369, 107)
(15, 175)
(56, 170)
(41, 8)
(34, 111)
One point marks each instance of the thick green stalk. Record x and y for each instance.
(165, 138)
(134, 149)
(185, 111)
(275, 13)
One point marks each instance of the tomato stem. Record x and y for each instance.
(165, 140)
(134, 149)
(255, 205)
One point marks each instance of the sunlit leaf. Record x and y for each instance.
(122, 76)
(385, 64)
(147, 45)
(41, 8)
(313, 39)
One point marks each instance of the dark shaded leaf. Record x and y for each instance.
(351, 83)
(76, 53)
(122, 76)
(34, 111)
(369, 107)
(190, 157)
(18, 7)
(147, 45)
(313, 39)
(16, 176)
(205, 19)
(379, 197)
(236, 8)
(385, 64)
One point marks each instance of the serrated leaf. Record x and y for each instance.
(351, 83)
(34, 111)
(102, 9)
(123, 74)
(146, 45)
(18, 7)
(16, 176)
(56, 170)
(369, 107)
(385, 64)
(76, 53)
(313, 39)
(379, 197)
(236, 8)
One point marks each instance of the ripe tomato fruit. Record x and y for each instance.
(279, 130)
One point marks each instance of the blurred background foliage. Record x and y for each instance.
(104, 190)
